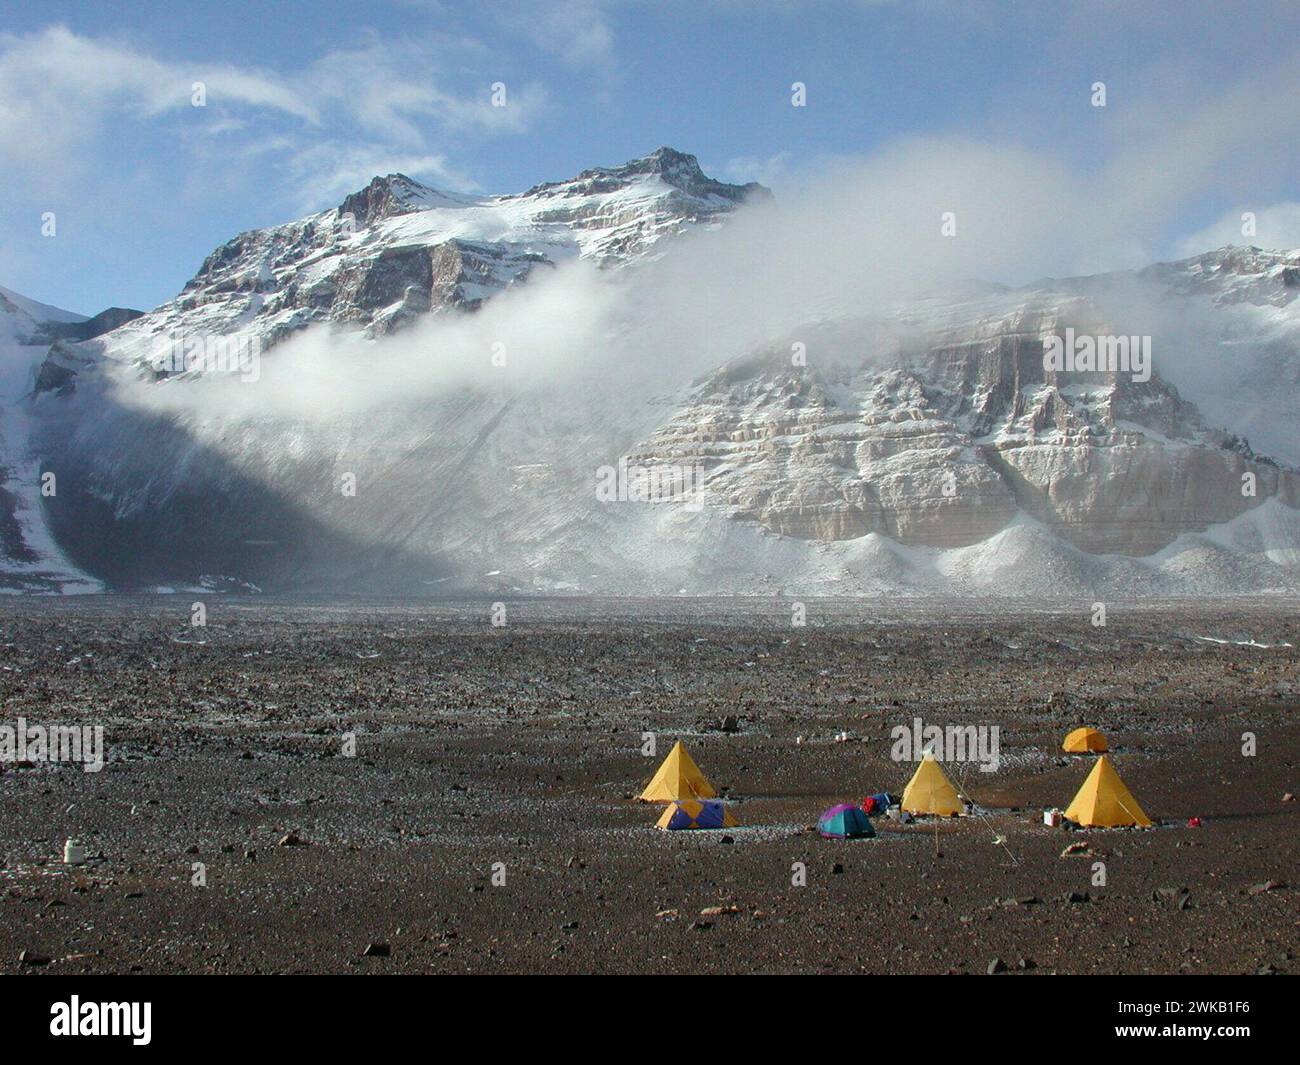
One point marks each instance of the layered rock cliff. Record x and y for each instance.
(935, 427)
(930, 449)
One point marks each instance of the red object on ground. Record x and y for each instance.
(868, 805)
(1193, 822)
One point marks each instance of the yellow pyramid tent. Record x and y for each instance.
(1083, 740)
(678, 778)
(930, 791)
(1104, 801)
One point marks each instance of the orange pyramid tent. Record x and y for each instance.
(930, 791)
(1104, 801)
(1083, 740)
(678, 778)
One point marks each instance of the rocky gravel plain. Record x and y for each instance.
(398, 786)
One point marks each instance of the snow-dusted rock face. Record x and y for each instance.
(1240, 336)
(936, 427)
(1234, 275)
(23, 320)
(30, 559)
(397, 249)
(931, 450)
(618, 213)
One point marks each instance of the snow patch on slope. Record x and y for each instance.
(30, 559)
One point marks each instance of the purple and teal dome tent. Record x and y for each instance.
(845, 821)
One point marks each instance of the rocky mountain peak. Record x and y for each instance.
(398, 248)
(683, 171)
(676, 169)
(389, 196)
(1235, 273)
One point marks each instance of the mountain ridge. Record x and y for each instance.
(921, 450)
(397, 249)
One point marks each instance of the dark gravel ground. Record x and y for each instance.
(520, 745)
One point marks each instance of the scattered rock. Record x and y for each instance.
(377, 950)
(292, 839)
(30, 957)
(997, 965)
(1267, 885)
(1179, 897)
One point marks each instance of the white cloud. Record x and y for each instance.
(579, 32)
(58, 91)
(1277, 226)
(62, 94)
(772, 171)
(391, 88)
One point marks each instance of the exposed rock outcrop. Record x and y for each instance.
(929, 449)
(397, 249)
(941, 435)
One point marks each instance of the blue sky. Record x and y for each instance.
(306, 101)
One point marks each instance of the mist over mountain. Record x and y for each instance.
(423, 392)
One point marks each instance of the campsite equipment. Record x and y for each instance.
(877, 804)
(930, 791)
(1193, 822)
(74, 852)
(897, 813)
(1084, 741)
(845, 821)
(1104, 801)
(1052, 818)
(678, 778)
(694, 813)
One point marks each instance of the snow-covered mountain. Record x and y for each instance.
(30, 559)
(953, 392)
(22, 318)
(926, 449)
(398, 249)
